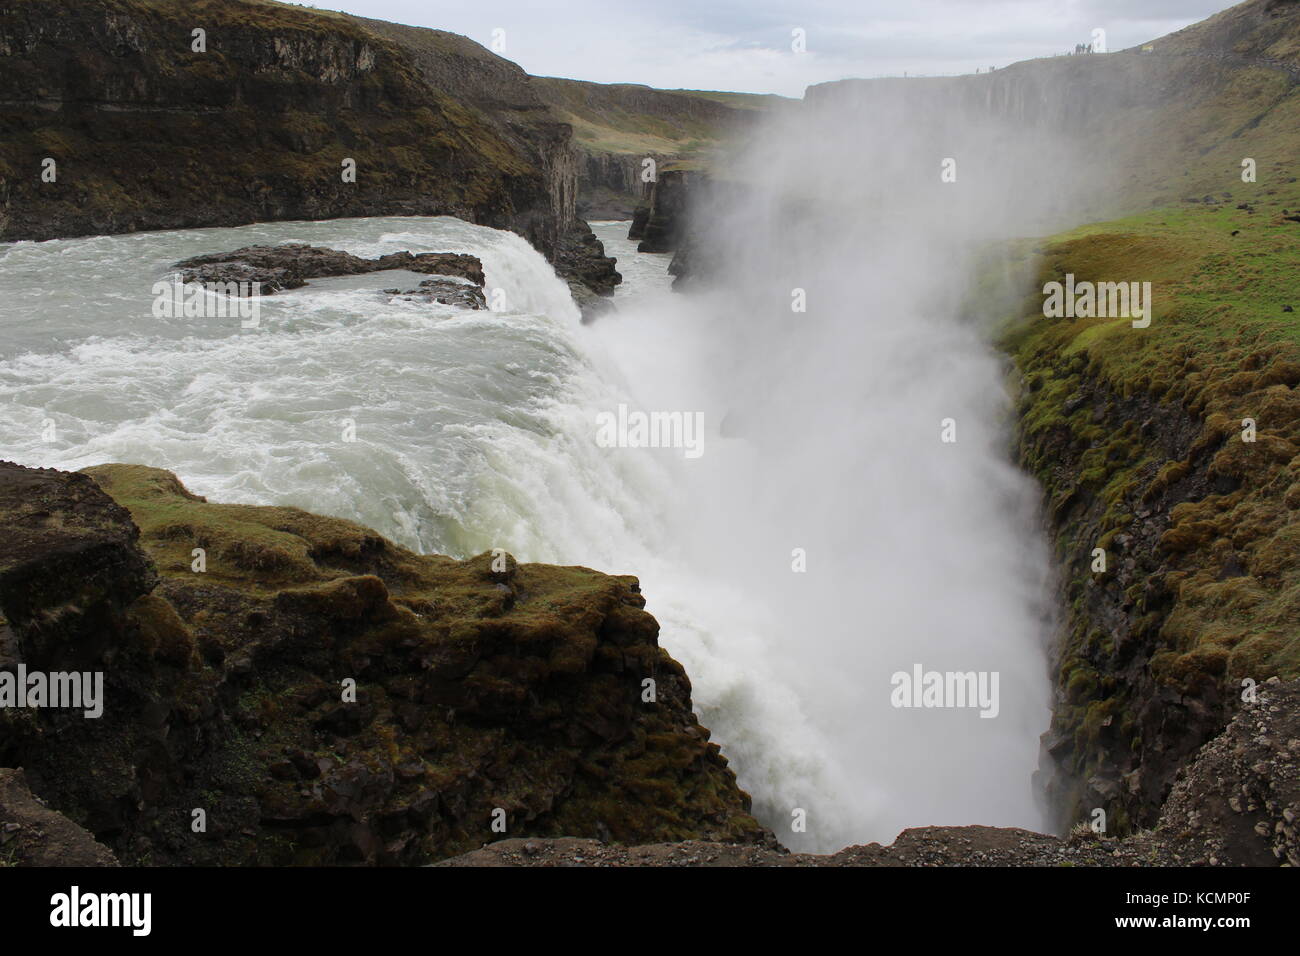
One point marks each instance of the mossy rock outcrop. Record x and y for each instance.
(1176, 449)
(231, 638)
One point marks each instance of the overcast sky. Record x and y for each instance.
(746, 44)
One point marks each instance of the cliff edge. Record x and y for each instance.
(126, 115)
(283, 688)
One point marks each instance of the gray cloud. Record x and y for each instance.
(745, 44)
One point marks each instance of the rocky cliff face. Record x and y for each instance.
(506, 99)
(1175, 524)
(665, 220)
(1137, 436)
(683, 216)
(323, 696)
(610, 185)
(145, 132)
(1236, 804)
(620, 125)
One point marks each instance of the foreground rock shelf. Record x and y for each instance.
(480, 686)
(1237, 804)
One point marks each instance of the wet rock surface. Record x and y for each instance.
(289, 266)
(589, 272)
(444, 291)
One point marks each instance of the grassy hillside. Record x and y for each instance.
(741, 101)
(632, 119)
(617, 126)
(1167, 125)
(1138, 438)
(1247, 30)
(1199, 102)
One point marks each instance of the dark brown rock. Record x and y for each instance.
(148, 134)
(670, 204)
(1236, 804)
(328, 697)
(70, 566)
(289, 266)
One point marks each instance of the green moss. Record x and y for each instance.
(477, 687)
(1220, 349)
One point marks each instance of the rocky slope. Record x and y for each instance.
(31, 834)
(1140, 439)
(147, 133)
(483, 690)
(1237, 804)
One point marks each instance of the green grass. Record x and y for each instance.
(1220, 349)
(532, 671)
(627, 119)
(742, 101)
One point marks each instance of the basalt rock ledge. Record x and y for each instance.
(316, 694)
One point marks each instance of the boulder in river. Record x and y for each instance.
(290, 266)
(447, 291)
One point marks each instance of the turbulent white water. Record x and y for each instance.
(476, 430)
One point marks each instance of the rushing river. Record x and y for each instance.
(476, 430)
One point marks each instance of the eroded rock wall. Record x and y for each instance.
(483, 689)
(147, 133)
